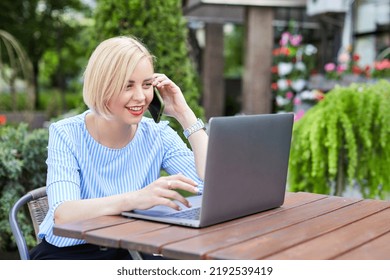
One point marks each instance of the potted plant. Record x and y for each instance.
(344, 141)
(292, 65)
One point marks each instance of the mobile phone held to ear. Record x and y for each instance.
(156, 107)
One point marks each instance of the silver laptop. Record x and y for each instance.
(246, 172)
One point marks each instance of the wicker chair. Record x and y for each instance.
(37, 203)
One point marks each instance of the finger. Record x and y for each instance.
(158, 78)
(180, 177)
(169, 184)
(179, 185)
(163, 82)
(168, 202)
(174, 195)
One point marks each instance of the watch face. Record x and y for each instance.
(195, 127)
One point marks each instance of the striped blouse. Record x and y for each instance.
(81, 168)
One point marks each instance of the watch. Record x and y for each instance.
(194, 128)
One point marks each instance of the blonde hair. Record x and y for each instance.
(109, 69)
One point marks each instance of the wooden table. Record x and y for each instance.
(307, 226)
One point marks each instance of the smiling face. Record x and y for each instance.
(130, 105)
(117, 77)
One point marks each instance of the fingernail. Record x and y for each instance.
(196, 190)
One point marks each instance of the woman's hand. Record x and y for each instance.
(177, 107)
(175, 103)
(163, 192)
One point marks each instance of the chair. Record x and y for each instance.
(38, 206)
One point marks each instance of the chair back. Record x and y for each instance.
(38, 207)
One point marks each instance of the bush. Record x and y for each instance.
(22, 168)
(6, 102)
(50, 102)
(344, 141)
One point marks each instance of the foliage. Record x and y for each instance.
(343, 141)
(19, 103)
(42, 25)
(17, 64)
(49, 102)
(161, 26)
(22, 168)
(233, 52)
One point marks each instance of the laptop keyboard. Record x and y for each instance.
(191, 214)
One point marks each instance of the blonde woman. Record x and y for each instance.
(108, 159)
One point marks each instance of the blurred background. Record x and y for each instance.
(240, 52)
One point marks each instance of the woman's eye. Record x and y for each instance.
(148, 85)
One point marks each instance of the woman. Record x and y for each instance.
(108, 159)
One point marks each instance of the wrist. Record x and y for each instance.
(186, 119)
(195, 127)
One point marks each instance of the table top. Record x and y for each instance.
(307, 226)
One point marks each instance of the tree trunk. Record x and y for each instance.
(35, 84)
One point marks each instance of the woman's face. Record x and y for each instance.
(129, 106)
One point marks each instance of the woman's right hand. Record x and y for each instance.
(163, 192)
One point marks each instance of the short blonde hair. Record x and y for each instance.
(109, 69)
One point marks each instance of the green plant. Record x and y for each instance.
(9, 103)
(22, 168)
(343, 141)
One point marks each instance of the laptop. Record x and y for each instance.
(246, 172)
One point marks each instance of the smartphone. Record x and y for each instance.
(156, 107)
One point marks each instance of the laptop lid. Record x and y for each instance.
(246, 170)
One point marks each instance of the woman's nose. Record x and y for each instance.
(139, 94)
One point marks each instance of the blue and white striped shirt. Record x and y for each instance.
(81, 168)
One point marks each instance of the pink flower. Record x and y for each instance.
(297, 101)
(295, 40)
(344, 58)
(299, 114)
(382, 65)
(289, 95)
(341, 68)
(284, 38)
(329, 67)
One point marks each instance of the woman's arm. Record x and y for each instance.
(64, 182)
(177, 107)
(198, 141)
(159, 192)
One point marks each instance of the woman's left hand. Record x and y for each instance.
(175, 103)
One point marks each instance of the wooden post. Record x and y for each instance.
(212, 71)
(256, 93)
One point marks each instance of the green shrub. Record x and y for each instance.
(344, 141)
(7, 105)
(22, 168)
(50, 102)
